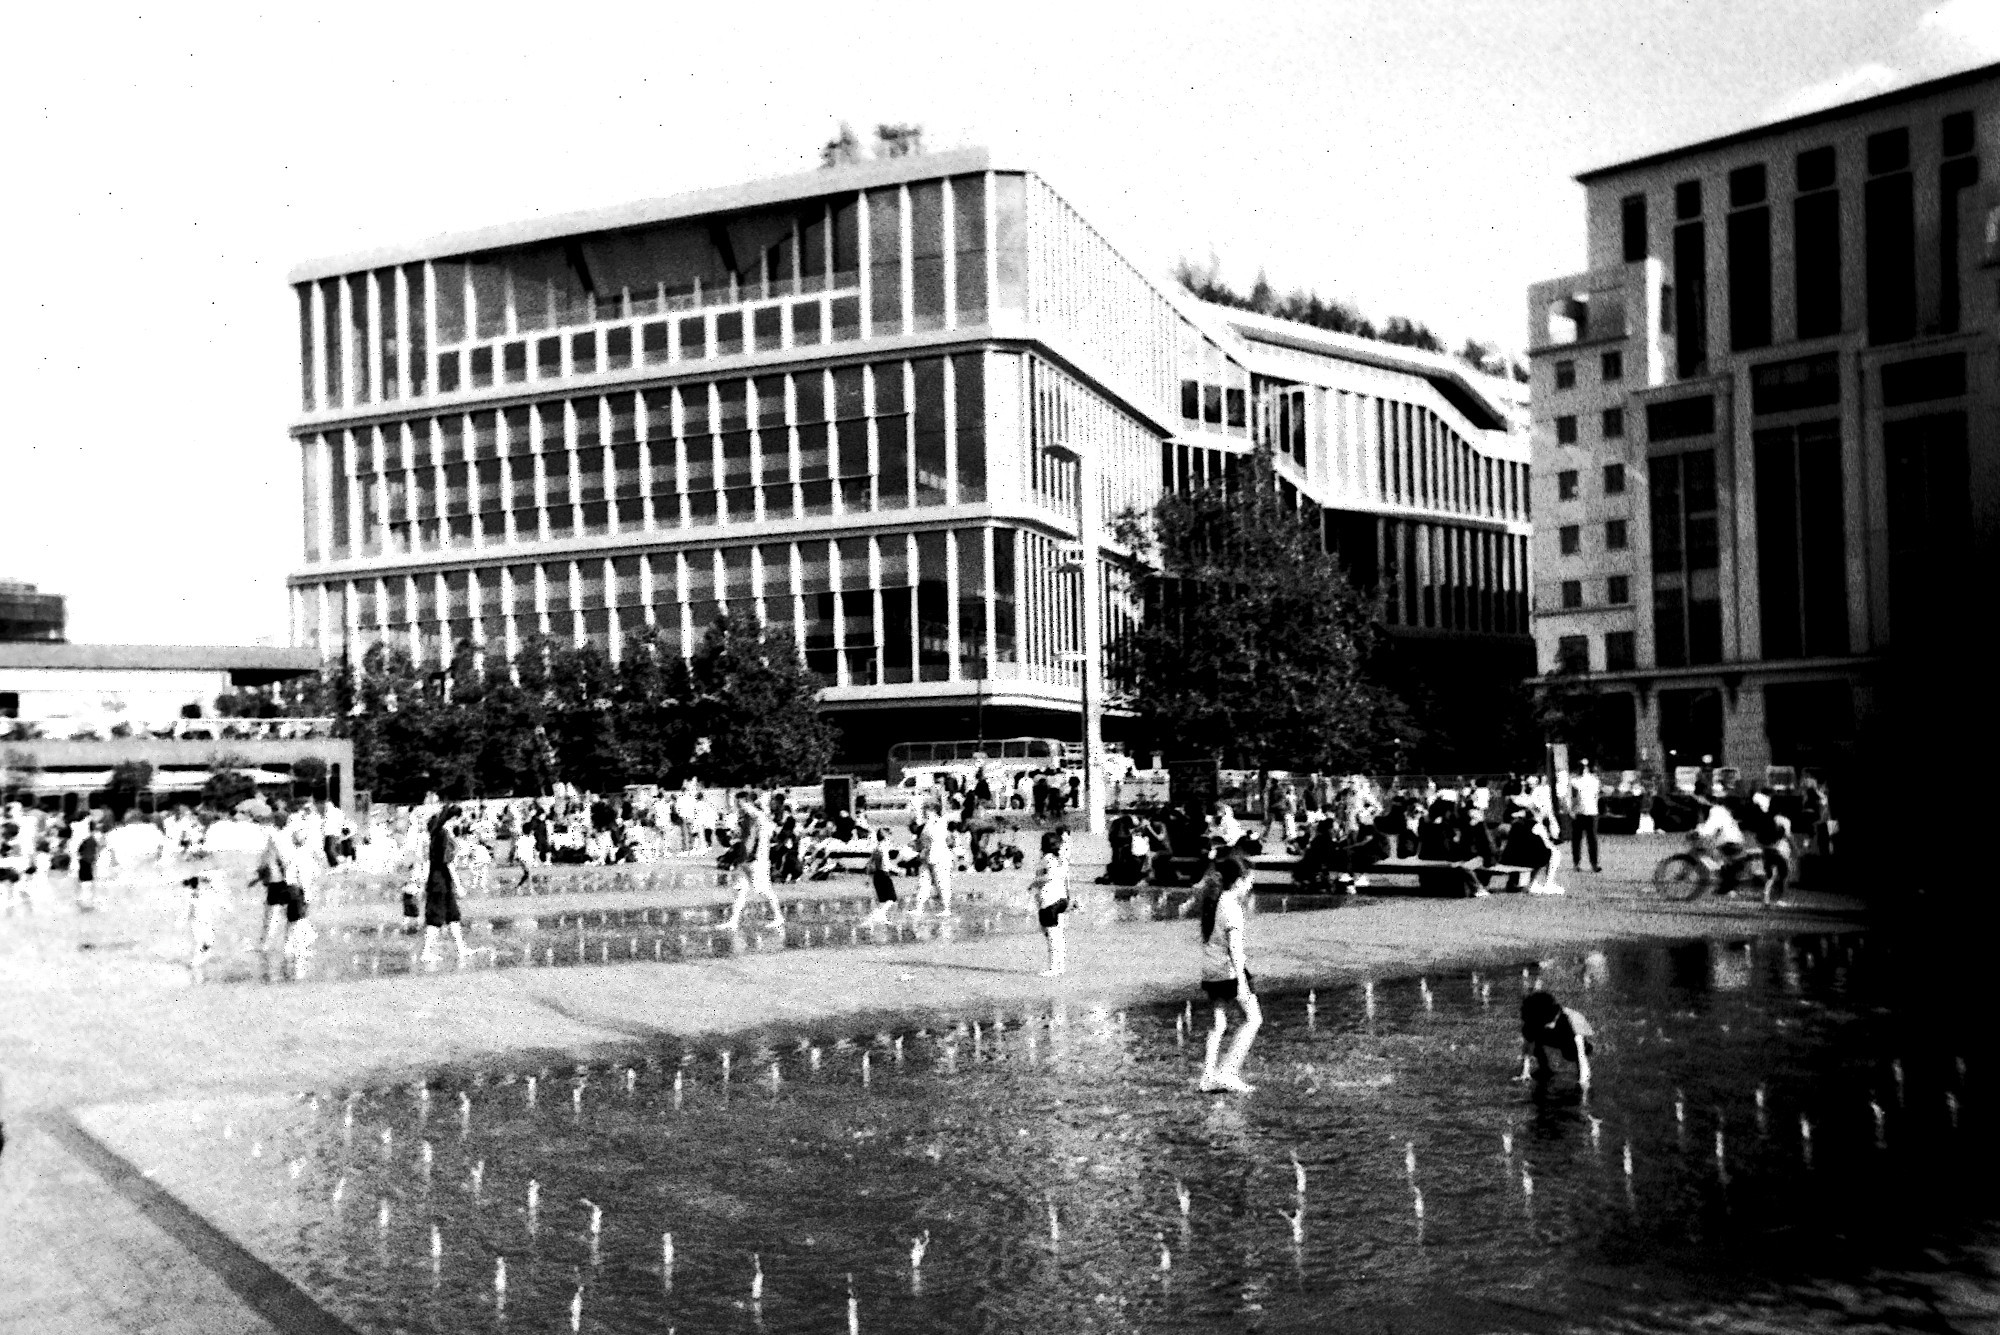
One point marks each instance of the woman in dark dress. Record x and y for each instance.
(441, 887)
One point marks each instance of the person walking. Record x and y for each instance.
(1225, 973)
(750, 872)
(933, 859)
(1585, 790)
(280, 871)
(441, 888)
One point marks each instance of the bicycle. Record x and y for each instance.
(1699, 869)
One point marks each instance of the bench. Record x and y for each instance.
(1438, 876)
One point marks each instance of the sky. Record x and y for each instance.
(1412, 157)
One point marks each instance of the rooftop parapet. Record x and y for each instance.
(1624, 303)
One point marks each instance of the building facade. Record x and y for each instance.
(849, 403)
(28, 614)
(1762, 423)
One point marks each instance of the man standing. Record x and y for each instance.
(1584, 790)
(934, 859)
(752, 872)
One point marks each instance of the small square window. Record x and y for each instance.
(1566, 485)
(1816, 168)
(1565, 374)
(1618, 590)
(1687, 199)
(1888, 151)
(1614, 424)
(1614, 479)
(1632, 219)
(1565, 431)
(1746, 186)
(1613, 367)
(1621, 651)
(447, 378)
(1617, 535)
(1572, 594)
(1957, 133)
(1573, 653)
(1570, 538)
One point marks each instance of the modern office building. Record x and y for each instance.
(1762, 424)
(856, 404)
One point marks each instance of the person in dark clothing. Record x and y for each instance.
(441, 887)
(1549, 1026)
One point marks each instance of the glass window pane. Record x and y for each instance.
(1010, 241)
(885, 262)
(892, 438)
(934, 646)
(929, 430)
(927, 254)
(968, 206)
(971, 543)
(969, 404)
(448, 277)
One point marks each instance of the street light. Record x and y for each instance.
(1084, 556)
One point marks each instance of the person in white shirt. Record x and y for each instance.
(1585, 789)
(1050, 887)
(752, 872)
(933, 859)
(1225, 972)
(1228, 830)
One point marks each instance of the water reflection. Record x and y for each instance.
(1749, 1146)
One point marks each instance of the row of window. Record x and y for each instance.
(855, 439)
(1439, 576)
(1568, 480)
(1889, 216)
(930, 255)
(1617, 592)
(1621, 652)
(1611, 369)
(943, 605)
(1617, 537)
(1610, 426)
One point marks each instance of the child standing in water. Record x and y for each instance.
(1051, 891)
(1225, 972)
(882, 875)
(201, 913)
(1548, 1025)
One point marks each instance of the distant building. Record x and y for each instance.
(29, 615)
(71, 713)
(850, 403)
(1766, 492)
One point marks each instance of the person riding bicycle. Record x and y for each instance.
(1719, 831)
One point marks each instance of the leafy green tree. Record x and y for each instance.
(757, 707)
(898, 141)
(842, 150)
(655, 695)
(583, 718)
(227, 785)
(128, 779)
(1254, 648)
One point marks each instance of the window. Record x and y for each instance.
(1566, 431)
(1573, 653)
(1789, 386)
(1565, 375)
(1957, 130)
(1687, 592)
(1613, 367)
(1617, 535)
(1566, 485)
(1614, 479)
(1632, 223)
(1801, 549)
(1687, 200)
(1678, 419)
(1570, 538)
(1930, 525)
(1923, 379)
(1618, 590)
(1816, 244)
(1614, 424)
(1888, 151)
(1572, 594)
(1621, 652)
(1889, 239)
(1746, 186)
(1690, 304)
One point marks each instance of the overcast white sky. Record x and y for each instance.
(1410, 156)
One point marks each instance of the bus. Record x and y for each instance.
(999, 755)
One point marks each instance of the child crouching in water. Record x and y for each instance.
(1051, 891)
(1548, 1025)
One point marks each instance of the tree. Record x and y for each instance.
(18, 770)
(583, 720)
(757, 707)
(842, 150)
(655, 697)
(309, 775)
(227, 785)
(128, 779)
(1254, 645)
(898, 141)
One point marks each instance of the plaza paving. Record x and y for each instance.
(98, 1009)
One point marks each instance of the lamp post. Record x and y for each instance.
(1093, 630)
